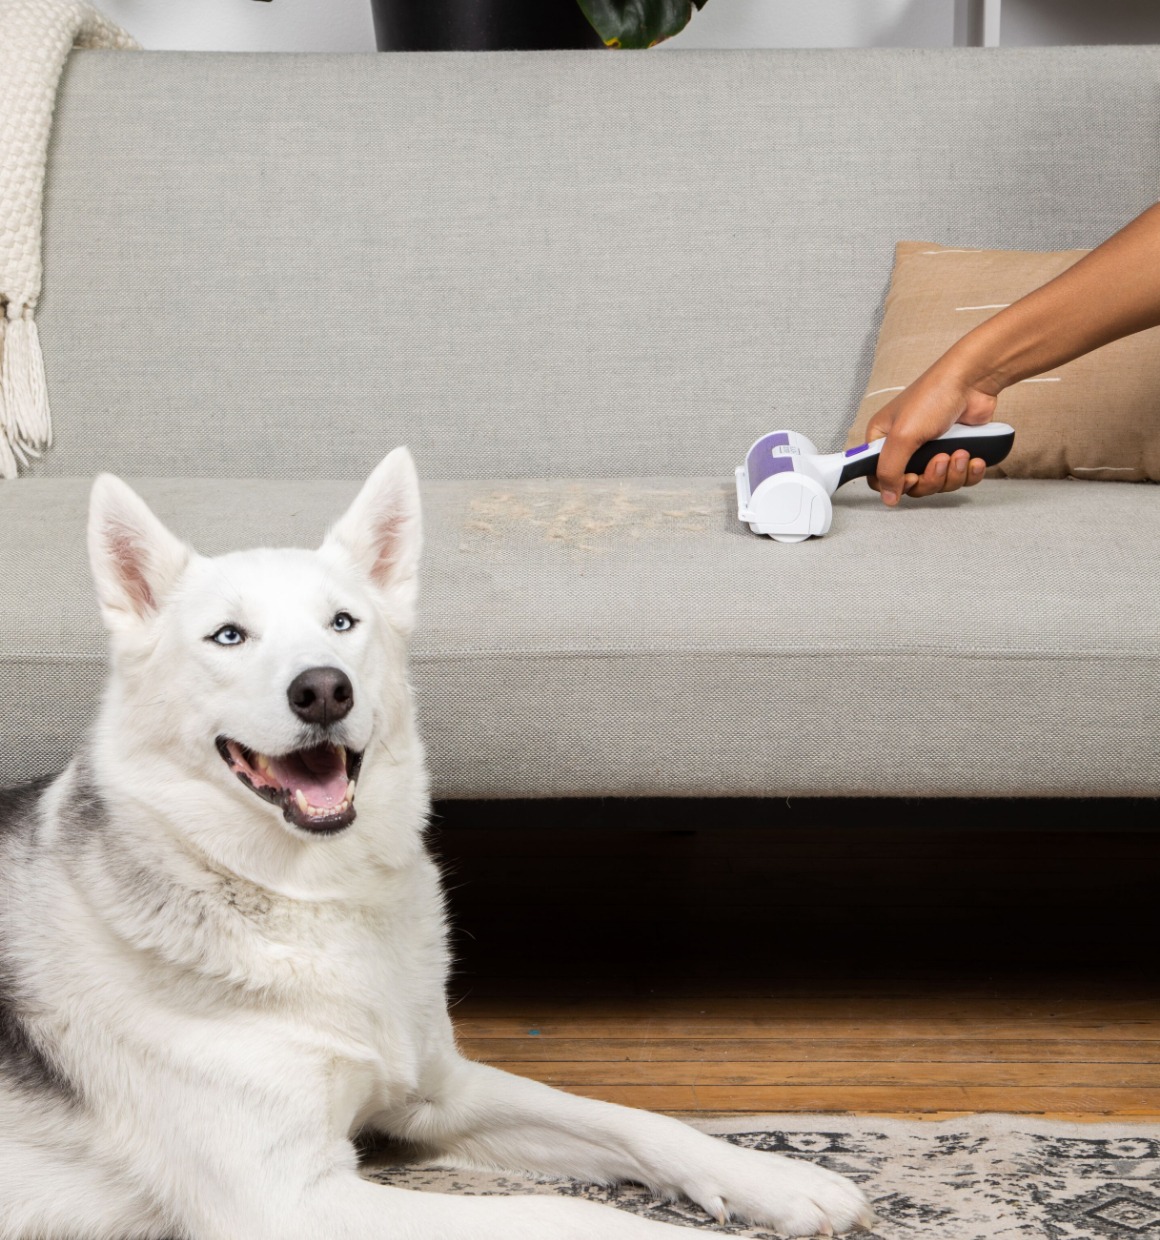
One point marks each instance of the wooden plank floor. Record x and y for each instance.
(835, 957)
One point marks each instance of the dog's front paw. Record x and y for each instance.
(788, 1196)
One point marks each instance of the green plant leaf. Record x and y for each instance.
(638, 23)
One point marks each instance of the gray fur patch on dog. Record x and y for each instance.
(23, 1062)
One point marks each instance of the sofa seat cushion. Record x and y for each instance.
(622, 637)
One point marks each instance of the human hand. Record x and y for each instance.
(925, 410)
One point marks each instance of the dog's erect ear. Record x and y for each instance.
(135, 560)
(382, 532)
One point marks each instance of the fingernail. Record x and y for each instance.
(977, 469)
(940, 469)
(888, 497)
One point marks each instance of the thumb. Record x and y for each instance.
(899, 447)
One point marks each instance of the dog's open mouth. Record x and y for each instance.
(313, 787)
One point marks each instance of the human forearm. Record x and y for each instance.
(1112, 292)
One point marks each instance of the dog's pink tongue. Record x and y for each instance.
(319, 772)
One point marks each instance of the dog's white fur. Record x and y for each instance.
(207, 1003)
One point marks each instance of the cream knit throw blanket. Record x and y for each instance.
(36, 37)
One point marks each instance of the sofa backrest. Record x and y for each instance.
(533, 264)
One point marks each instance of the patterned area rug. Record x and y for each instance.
(988, 1177)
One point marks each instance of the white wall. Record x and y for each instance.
(247, 25)
(820, 23)
(345, 25)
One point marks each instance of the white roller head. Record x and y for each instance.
(777, 490)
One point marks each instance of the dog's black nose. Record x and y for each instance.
(321, 695)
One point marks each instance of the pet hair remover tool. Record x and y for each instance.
(784, 487)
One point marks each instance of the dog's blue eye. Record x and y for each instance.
(228, 635)
(343, 622)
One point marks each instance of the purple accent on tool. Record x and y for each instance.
(762, 464)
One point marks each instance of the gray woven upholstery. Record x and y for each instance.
(533, 264)
(589, 267)
(580, 637)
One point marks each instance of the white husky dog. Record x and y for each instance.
(213, 974)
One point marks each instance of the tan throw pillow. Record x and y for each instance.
(1096, 417)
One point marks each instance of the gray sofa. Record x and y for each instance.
(578, 286)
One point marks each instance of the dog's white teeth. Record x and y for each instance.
(301, 801)
(350, 791)
(263, 763)
(341, 751)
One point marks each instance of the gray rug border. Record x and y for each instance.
(974, 1176)
(988, 1123)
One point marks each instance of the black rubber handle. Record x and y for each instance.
(991, 449)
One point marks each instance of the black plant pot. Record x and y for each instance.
(480, 25)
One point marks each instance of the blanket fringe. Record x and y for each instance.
(7, 456)
(25, 423)
(36, 37)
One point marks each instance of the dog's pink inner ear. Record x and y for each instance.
(392, 522)
(128, 558)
